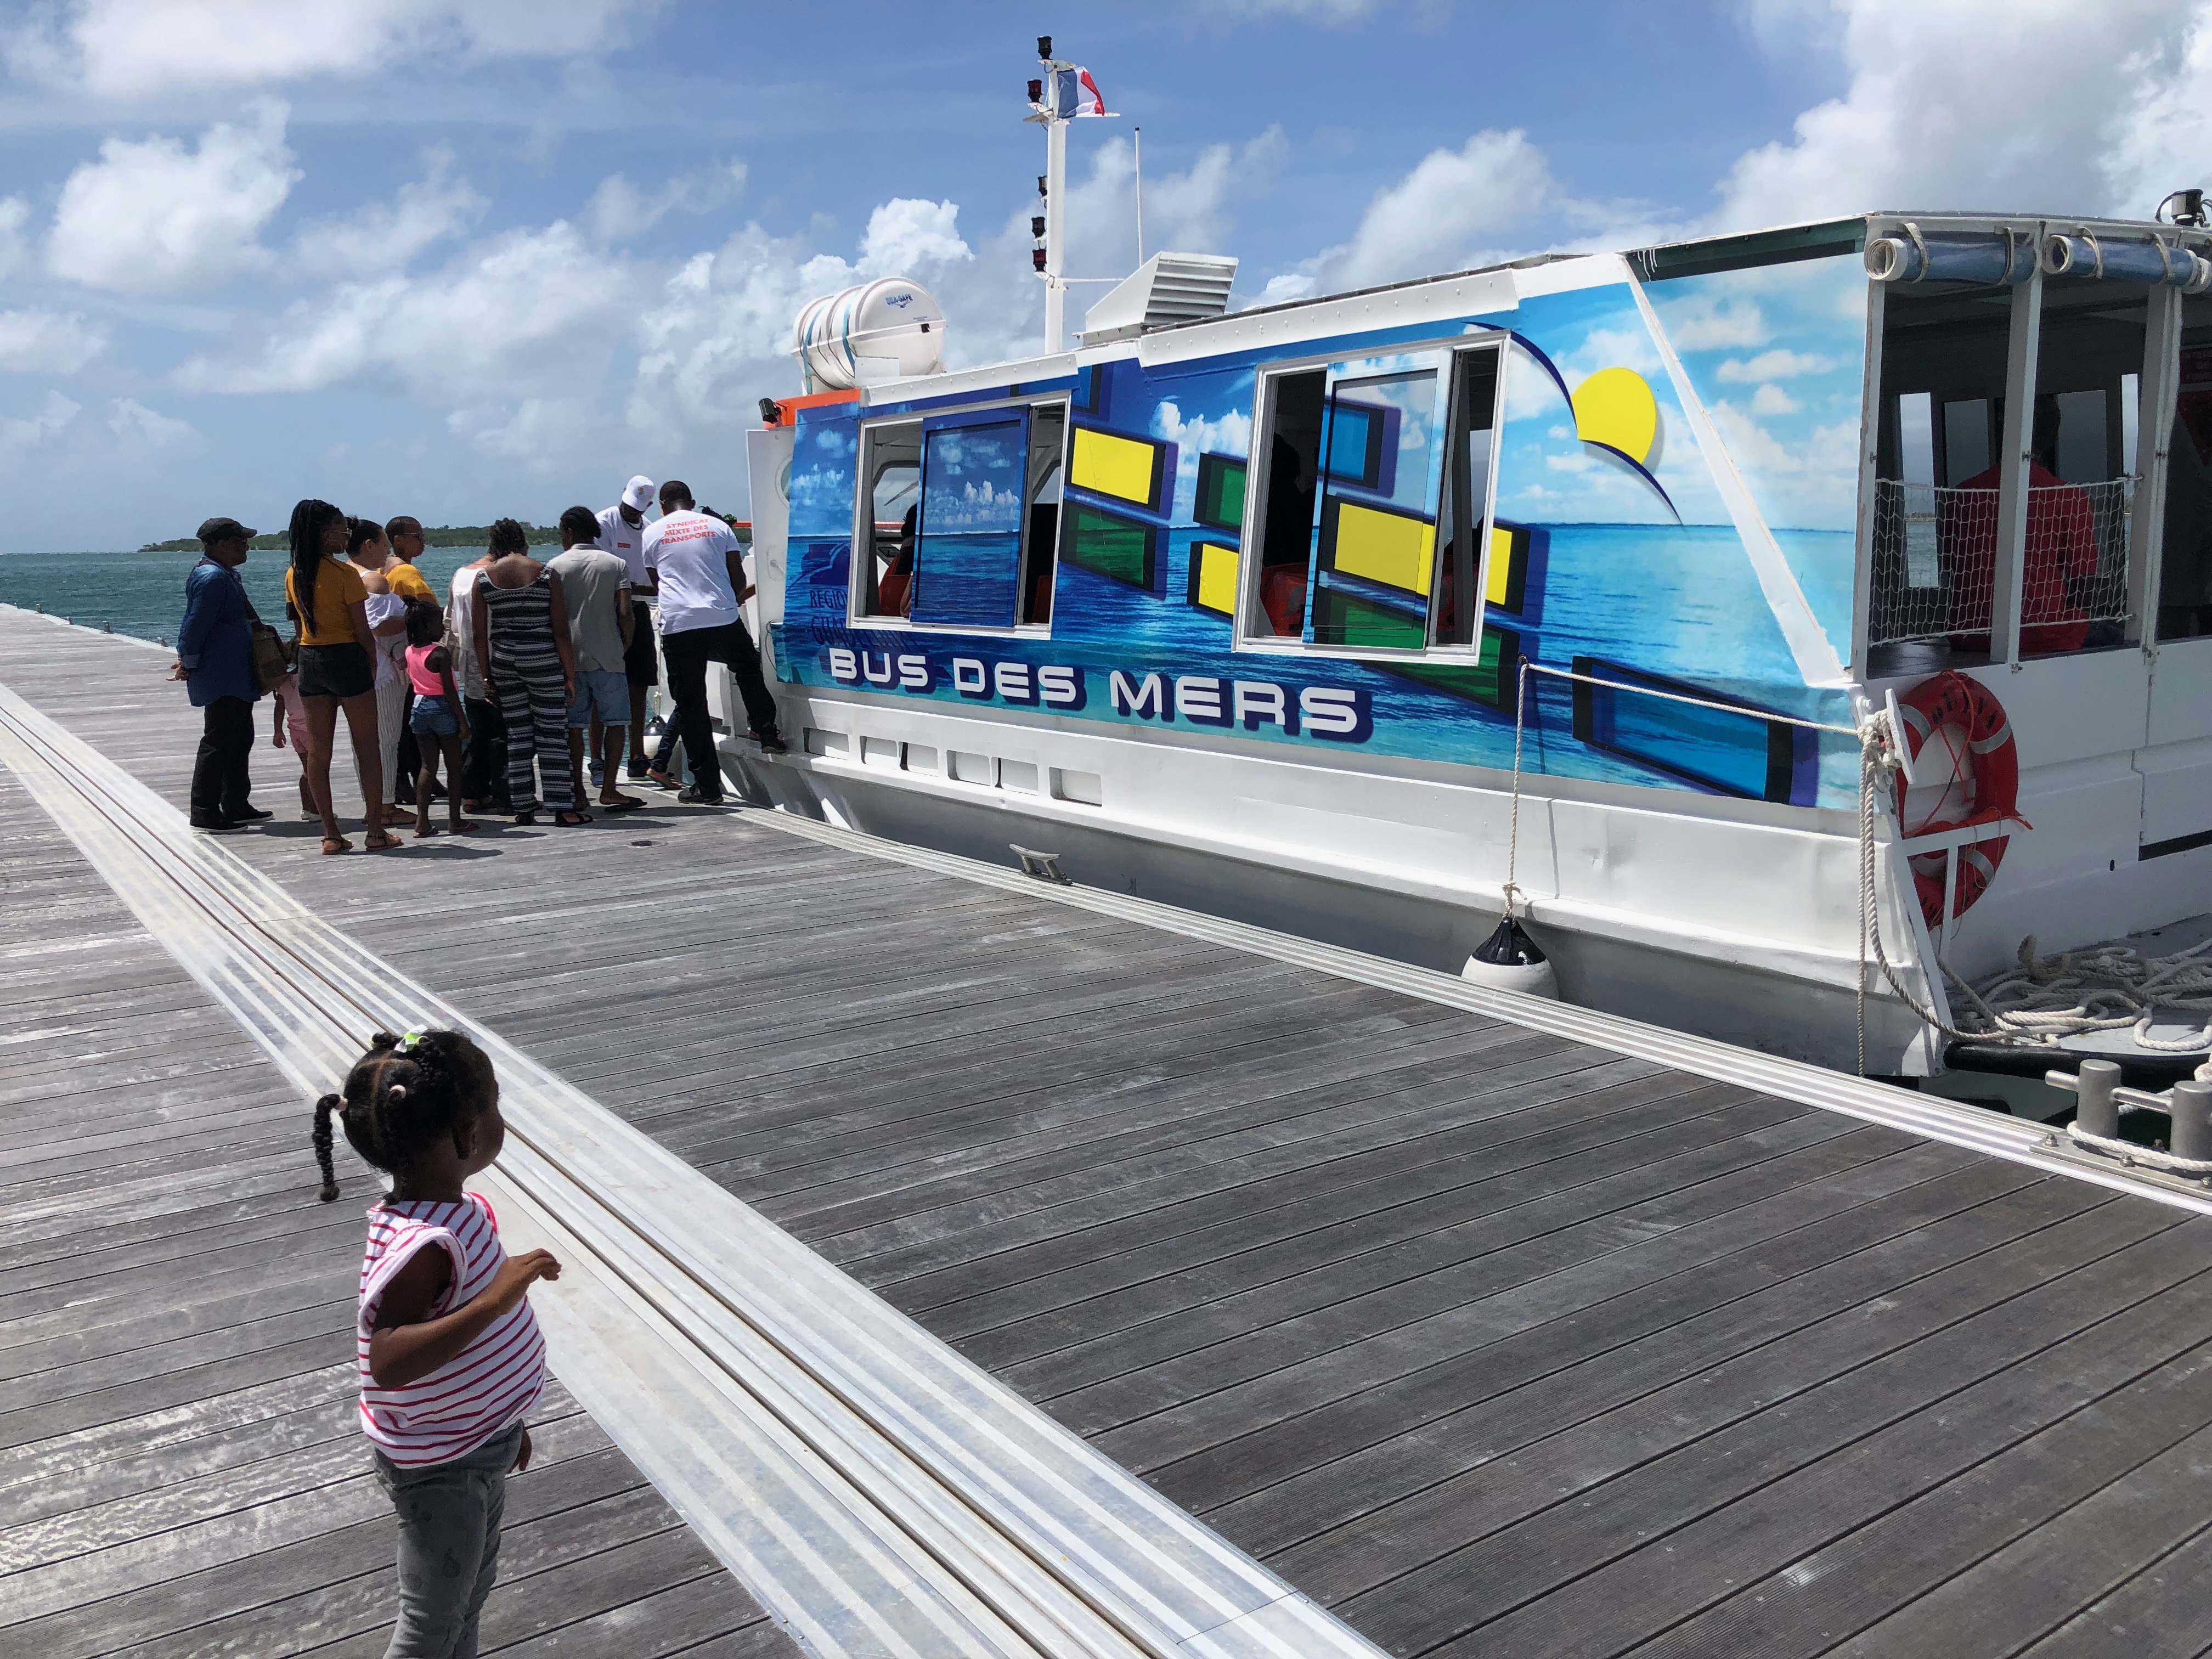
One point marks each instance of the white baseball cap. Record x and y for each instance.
(638, 493)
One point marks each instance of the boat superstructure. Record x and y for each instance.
(1581, 575)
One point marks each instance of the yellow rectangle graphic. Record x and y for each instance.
(1385, 547)
(1115, 466)
(1216, 587)
(1500, 580)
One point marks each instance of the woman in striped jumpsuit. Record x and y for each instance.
(522, 639)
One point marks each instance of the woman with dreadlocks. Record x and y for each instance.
(450, 1356)
(336, 666)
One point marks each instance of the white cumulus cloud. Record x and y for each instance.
(384, 236)
(2050, 105)
(523, 312)
(907, 234)
(1449, 213)
(48, 342)
(618, 210)
(28, 431)
(151, 216)
(133, 48)
(132, 422)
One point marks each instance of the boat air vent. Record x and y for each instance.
(1166, 289)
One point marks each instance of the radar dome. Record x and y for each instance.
(887, 330)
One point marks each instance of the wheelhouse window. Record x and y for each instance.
(960, 512)
(1374, 524)
(1941, 473)
(2184, 591)
(1943, 348)
(2083, 473)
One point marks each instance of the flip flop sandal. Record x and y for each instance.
(569, 820)
(336, 844)
(621, 803)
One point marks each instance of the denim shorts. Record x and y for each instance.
(604, 691)
(434, 717)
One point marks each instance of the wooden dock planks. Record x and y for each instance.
(1492, 1341)
(180, 1471)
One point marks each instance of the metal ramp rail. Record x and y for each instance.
(880, 1494)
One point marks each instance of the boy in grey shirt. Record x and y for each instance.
(595, 586)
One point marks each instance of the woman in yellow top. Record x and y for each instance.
(336, 669)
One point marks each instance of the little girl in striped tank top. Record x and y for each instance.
(450, 1357)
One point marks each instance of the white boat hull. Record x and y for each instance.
(1727, 926)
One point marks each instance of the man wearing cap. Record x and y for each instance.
(215, 660)
(622, 532)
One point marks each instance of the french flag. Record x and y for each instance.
(1074, 93)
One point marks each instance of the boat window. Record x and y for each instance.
(1375, 552)
(962, 513)
(1936, 496)
(891, 489)
(2081, 494)
(1048, 475)
(968, 541)
(1464, 535)
(1969, 439)
(1292, 424)
(1375, 530)
(2184, 586)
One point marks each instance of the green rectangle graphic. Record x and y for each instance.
(1220, 500)
(1109, 545)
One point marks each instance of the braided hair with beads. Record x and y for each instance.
(403, 1095)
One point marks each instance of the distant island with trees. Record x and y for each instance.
(443, 535)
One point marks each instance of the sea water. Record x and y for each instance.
(144, 593)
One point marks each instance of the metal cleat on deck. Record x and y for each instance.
(2103, 1100)
(1043, 866)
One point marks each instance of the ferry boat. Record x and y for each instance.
(1582, 576)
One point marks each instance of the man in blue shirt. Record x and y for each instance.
(215, 659)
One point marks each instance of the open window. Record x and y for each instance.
(2184, 591)
(1941, 474)
(890, 494)
(1943, 348)
(1375, 526)
(961, 514)
(2083, 474)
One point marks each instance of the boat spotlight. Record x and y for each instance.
(1044, 47)
(2188, 207)
(1036, 92)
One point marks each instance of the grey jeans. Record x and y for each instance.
(449, 1516)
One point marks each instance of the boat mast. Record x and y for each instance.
(1051, 111)
(1056, 229)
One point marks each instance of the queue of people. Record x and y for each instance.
(532, 677)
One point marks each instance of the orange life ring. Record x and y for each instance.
(1954, 721)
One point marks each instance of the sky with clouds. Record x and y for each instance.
(471, 258)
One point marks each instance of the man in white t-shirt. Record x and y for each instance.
(697, 566)
(622, 532)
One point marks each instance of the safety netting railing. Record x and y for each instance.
(1934, 563)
